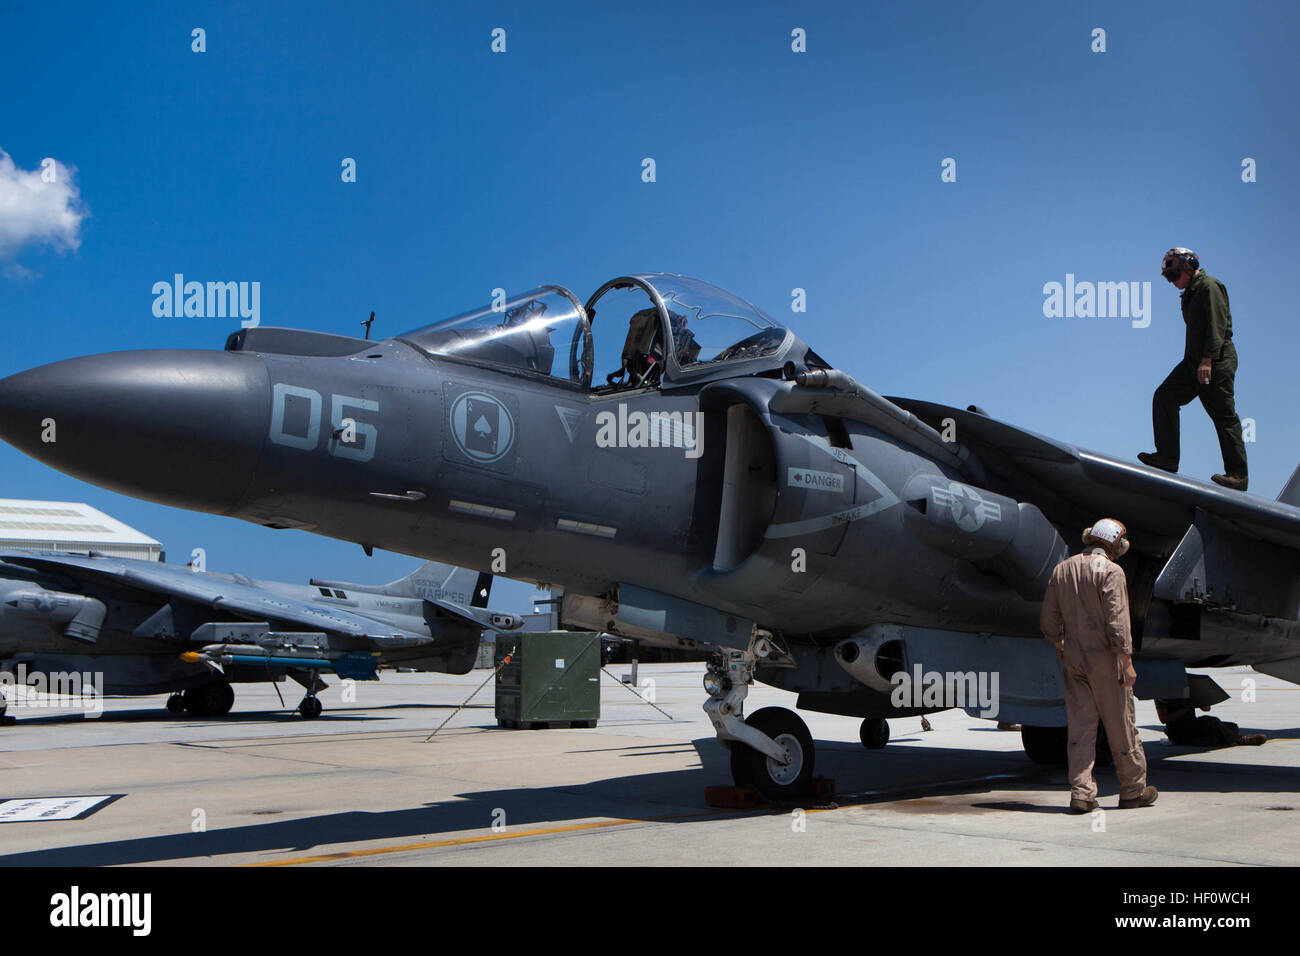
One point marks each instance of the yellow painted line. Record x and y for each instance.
(841, 802)
(849, 801)
(485, 838)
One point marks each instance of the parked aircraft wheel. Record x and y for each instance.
(776, 781)
(740, 761)
(210, 700)
(310, 708)
(874, 733)
(176, 704)
(1048, 745)
(1044, 745)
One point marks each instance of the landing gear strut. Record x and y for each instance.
(772, 751)
(310, 708)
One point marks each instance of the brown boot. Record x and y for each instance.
(1083, 806)
(1235, 482)
(1251, 740)
(1148, 797)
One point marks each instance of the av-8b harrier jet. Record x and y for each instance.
(140, 627)
(690, 472)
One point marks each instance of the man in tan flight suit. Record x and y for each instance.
(1085, 614)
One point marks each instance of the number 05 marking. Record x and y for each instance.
(283, 395)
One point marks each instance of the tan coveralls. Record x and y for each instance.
(1087, 601)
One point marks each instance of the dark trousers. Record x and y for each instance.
(1180, 388)
(1203, 731)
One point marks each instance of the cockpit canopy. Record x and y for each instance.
(712, 325)
(544, 332)
(651, 330)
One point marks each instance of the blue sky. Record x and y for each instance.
(775, 170)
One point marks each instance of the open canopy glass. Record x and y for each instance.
(654, 328)
(711, 325)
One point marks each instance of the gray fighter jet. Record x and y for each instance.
(149, 628)
(691, 473)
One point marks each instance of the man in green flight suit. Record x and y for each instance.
(1207, 371)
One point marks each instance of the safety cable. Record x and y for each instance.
(504, 661)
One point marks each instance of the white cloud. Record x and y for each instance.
(34, 211)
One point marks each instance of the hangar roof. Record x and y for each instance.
(66, 524)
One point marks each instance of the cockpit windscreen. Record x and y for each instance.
(544, 332)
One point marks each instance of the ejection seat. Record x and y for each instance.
(643, 352)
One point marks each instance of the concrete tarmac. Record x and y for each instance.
(361, 786)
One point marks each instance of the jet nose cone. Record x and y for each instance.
(183, 428)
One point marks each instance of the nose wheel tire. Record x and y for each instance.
(874, 733)
(774, 780)
(310, 708)
(176, 704)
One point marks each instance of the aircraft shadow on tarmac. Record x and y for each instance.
(1285, 733)
(902, 779)
(236, 718)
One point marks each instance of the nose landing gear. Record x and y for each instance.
(310, 707)
(776, 779)
(771, 751)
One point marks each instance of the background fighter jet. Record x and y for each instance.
(148, 628)
(690, 473)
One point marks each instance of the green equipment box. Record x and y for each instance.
(552, 680)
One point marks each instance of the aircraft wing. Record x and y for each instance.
(1217, 546)
(1145, 499)
(221, 592)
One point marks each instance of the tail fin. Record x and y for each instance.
(432, 582)
(1291, 492)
